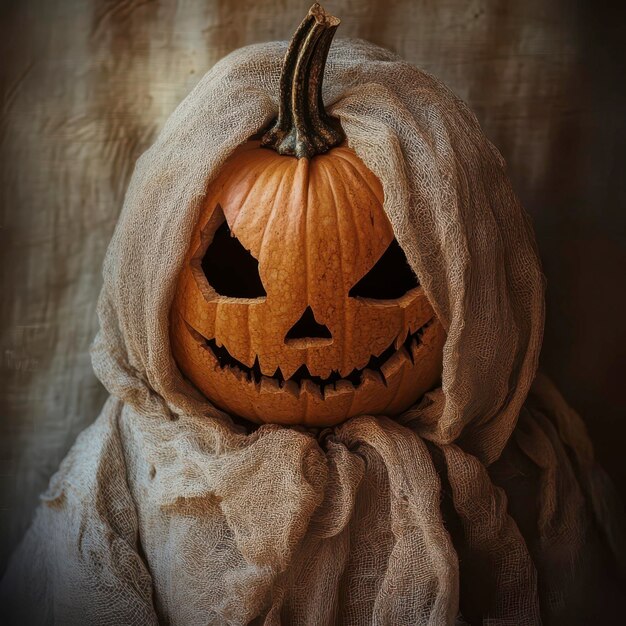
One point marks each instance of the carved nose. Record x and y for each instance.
(307, 331)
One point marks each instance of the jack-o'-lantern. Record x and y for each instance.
(295, 303)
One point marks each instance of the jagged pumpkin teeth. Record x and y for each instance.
(288, 371)
(372, 377)
(309, 388)
(401, 339)
(404, 354)
(340, 388)
(311, 342)
(212, 360)
(291, 388)
(345, 371)
(240, 375)
(269, 385)
(422, 341)
(415, 348)
(392, 366)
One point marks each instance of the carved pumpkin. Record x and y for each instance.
(295, 303)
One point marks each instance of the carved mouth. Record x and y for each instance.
(375, 368)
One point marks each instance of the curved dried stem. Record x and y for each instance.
(303, 128)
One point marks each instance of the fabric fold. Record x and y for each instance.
(169, 509)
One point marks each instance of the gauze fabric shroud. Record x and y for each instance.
(482, 499)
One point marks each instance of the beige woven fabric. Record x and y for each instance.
(165, 510)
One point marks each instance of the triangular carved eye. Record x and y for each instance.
(230, 269)
(389, 279)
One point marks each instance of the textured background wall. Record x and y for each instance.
(87, 84)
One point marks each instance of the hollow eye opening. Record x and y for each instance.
(230, 269)
(389, 279)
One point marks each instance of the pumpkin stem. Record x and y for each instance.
(303, 128)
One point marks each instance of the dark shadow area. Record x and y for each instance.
(230, 269)
(390, 278)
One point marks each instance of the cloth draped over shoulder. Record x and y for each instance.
(481, 504)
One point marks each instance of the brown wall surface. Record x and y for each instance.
(86, 85)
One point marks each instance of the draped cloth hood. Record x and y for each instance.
(168, 509)
(446, 194)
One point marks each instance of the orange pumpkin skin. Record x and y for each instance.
(316, 227)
